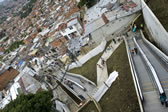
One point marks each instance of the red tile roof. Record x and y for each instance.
(71, 11)
(1, 49)
(56, 43)
(27, 40)
(59, 42)
(52, 33)
(62, 26)
(7, 76)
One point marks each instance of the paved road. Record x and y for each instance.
(152, 102)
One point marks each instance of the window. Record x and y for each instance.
(70, 27)
(66, 37)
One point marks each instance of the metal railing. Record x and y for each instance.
(158, 52)
(151, 68)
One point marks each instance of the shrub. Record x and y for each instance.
(39, 102)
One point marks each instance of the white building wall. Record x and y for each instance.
(159, 34)
(79, 28)
(68, 31)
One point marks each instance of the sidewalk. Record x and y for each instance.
(102, 72)
(102, 90)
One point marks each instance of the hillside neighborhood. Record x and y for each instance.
(79, 51)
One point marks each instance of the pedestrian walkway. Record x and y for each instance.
(104, 80)
(102, 72)
(102, 90)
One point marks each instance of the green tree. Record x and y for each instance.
(14, 46)
(27, 9)
(39, 102)
(88, 3)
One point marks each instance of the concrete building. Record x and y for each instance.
(73, 29)
(25, 84)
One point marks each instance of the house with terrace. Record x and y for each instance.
(72, 28)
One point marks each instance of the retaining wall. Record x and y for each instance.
(157, 51)
(89, 55)
(159, 34)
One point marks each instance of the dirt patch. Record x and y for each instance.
(7, 76)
